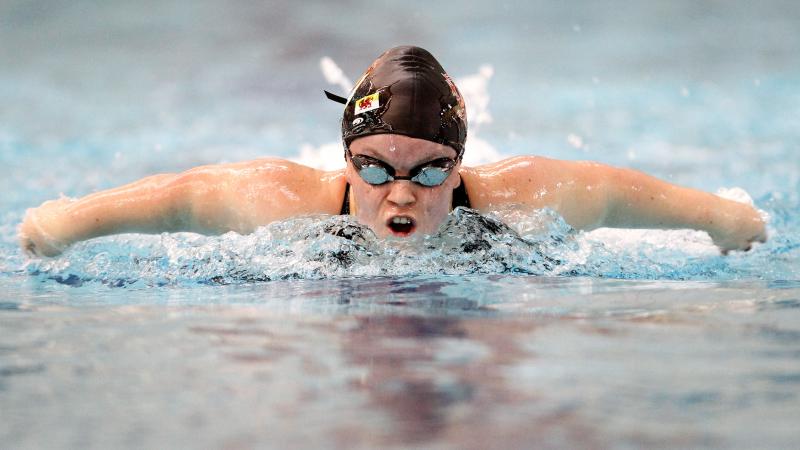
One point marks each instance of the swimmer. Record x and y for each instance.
(403, 129)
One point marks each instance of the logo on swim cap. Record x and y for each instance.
(357, 121)
(367, 103)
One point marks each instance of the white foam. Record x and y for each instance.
(688, 242)
(475, 89)
(328, 156)
(575, 140)
(335, 75)
(736, 194)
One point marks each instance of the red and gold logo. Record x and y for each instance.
(367, 103)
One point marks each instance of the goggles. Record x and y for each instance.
(376, 172)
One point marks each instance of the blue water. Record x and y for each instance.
(310, 332)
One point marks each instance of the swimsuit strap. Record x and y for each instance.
(460, 198)
(346, 203)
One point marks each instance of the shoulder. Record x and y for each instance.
(502, 181)
(284, 186)
(530, 169)
(274, 168)
(533, 180)
(300, 189)
(516, 164)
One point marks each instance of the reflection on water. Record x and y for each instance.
(519, 362)
(431, 380)
(443, 380)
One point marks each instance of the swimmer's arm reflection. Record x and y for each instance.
(210, 200)
(591, 195)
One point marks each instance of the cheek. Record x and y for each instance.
(436, 204)
(368, 200)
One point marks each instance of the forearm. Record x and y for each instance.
(150, 205)
(637, 200)
(640, 201)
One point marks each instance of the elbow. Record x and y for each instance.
(181, 201)
(598, 195)
(200, 201)
(622, 191)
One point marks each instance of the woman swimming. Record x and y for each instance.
(404, 129)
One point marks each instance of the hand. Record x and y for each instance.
(739, 230)
(38, 231)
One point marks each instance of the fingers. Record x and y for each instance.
(34, 241)
(26, 243)
(28, 247)
(745, 247)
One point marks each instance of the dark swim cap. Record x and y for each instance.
(406, 91)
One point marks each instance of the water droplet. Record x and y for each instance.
(575, 140)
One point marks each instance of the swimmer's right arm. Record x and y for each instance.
(209, 200)
(152, 204)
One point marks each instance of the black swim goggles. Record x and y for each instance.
(376, 172)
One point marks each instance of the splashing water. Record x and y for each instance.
(334, 75)
(508, 240)
(306, 247)
(317, 247)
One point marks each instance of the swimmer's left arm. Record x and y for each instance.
(605, 196)
(589, 195)
(637, 200)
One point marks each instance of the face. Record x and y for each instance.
(400, 208)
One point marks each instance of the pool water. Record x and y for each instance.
(507, 329)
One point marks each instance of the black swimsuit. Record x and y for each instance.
(460, 198)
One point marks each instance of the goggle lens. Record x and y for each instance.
(376, 172)
(431, 176)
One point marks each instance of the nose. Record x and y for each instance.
(401, 193)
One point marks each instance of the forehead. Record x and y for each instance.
(399, 149)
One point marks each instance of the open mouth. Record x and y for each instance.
(401, 225)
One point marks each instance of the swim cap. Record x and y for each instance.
(406, 91)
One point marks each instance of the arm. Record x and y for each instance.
(590, 195)
(637, 200)
(209, 199)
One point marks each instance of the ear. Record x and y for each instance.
(457, 178)
(348, 172)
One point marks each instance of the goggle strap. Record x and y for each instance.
(335, 98)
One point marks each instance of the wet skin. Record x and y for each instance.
(378, 206)
(243, 196)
